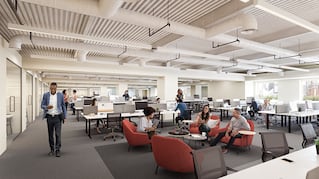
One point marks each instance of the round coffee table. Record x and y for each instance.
(178, 133)
(197, 138)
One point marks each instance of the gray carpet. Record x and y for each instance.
(139, 163)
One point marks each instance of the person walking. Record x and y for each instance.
(55, 113)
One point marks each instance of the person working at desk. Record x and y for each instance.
(253, 108)
(236, 124)
(66, 99)
(145, 123)
(266, 107)
(55, 113)
(126, 96)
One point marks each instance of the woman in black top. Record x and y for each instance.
(179, 96)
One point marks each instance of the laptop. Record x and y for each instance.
(155, 122)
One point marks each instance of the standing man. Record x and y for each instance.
(55, 113)
(73, 100)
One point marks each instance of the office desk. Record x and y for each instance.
(268, 113)
(303, 161)
(78, 109)
(303, 115)
(99, 116)
(162, 113)
(223, 110)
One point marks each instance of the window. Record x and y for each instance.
(267, 90)
(311, 90)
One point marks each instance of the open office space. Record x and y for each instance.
(222, 53)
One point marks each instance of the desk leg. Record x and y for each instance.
(221, 115)
(174, 117)
(86, 125)
(90, 129)
(289, 124)
(282, 121)
(162, 120)
(78, 115)
(267, 121)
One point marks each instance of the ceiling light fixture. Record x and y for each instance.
(276, 11)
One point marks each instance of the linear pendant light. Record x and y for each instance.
(276, 11)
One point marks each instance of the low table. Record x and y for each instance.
(247, 132)
(197, 138)
(178, 133)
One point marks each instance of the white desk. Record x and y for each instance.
(303, 161)
(162, 113)
(103, 115)
(78, 109)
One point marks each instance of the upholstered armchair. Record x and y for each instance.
(133, 137)
(244, 141)
(172, 154)
(213, 131)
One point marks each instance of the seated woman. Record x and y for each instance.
(145, 123)
(202, 119)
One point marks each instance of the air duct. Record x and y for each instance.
(109, 8)
(81, 57)
(245, 22)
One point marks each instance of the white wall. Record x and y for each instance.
(226, 90)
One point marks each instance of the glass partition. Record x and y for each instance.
(13, 98)
(29, 106)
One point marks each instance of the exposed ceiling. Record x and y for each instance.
(117, 32)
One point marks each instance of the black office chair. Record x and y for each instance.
(308, 133)
(113, 122)
(209, 163)
(274, 144)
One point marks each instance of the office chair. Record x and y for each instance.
(274, 144)
(308, 133)
(209, 163)
(113, 122)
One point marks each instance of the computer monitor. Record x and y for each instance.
(210, 99)
(196, 96)
(140, 105)
(88, 101)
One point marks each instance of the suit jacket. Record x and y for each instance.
(60, 100)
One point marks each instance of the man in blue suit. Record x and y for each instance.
(55, 113)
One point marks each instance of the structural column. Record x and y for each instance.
(122, 87)
(167, 87)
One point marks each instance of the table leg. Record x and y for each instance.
(78, 115)
(90, 129)
(86, 125)
(267, 121)
(282, 121)
(221, 115)
(289, 124)
(162, 120)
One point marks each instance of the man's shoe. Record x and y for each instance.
(57, 153)
(51, 153)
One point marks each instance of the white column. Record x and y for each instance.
(3, 107)
(198, 90)
(23, 100)
(104, 91)
(289, 90)
(121, 88)
(167, 87)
